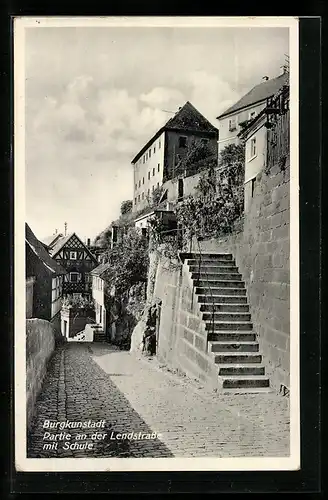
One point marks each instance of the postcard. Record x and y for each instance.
(156, 210)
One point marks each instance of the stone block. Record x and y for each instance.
(194, 323)
(200, 343)
(281, 232)
(201, 362)
(188, 335)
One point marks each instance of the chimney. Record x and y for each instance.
(265, 78)
(88, 243)
(65, 226)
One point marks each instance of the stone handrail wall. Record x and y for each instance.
(40, 344)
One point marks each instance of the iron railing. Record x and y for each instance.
(198, 276)
(208, 282)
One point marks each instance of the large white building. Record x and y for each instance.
(158, 159)
(231, 122)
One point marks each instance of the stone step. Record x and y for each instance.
(228, 325)
(212, 262)
(250, 369)
(235, 381)
(246, 390)
(202, 290)
(214, 269)
(229, 358)
(217, 277)
(208, 307)
(225, 316)
(231, 346)
(222, 299)
(232, 336)
(226, 285)
(205, 256)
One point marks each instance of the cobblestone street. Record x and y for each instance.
(97, 382)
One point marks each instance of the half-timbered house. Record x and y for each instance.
(44, 280)
(70, 252)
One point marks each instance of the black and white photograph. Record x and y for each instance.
(156, 213)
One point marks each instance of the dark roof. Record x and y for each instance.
(37, 247)
(258, 93)
(187, 119)
(99, 270)
(60, 243)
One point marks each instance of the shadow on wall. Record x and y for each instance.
(40, 344)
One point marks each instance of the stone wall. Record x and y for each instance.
(261, 251)
(40, 343)
(182, 340)
(29, 296)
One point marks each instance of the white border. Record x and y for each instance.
(149, 464)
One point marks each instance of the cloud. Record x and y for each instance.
(162, 96)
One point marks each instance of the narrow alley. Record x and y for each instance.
(95, 381)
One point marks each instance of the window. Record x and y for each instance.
(136, 187)
(159, 144)
(148, 175)
(143, 180)
(139, 183)
(153, 171)
(143, 196)
(154, 149)
(182, 142)
(72, 255)
(143, 159)
(149, 154)
(232, 124)
(135, 201)
(157, 185)
(158, 167)
(253, 187)
(153, 188)
(73, 277)
(138, 197)
(253, 147)
(148, 192)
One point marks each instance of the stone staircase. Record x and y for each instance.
(99, 334)
(222, 303)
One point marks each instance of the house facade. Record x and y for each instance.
(263, 134)
(235, 118)
(44, 280)
(158, 160)
(98, 294)
(74, 256)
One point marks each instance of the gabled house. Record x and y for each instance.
(71, 253)
(44, 280)
(158, 159)
(266, 140)
(236, 117)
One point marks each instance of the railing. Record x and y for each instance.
(208, 282)
(82, 287)
(176, 230)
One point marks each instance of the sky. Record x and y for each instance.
(94, 96)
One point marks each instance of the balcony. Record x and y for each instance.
(79, 287)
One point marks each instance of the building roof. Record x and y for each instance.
(99, 270)
(50, 240)
(37, 247)
(188, 119)
(62, 242)
(258, 93)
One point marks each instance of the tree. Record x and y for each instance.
(126, 207)
(199, 156)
